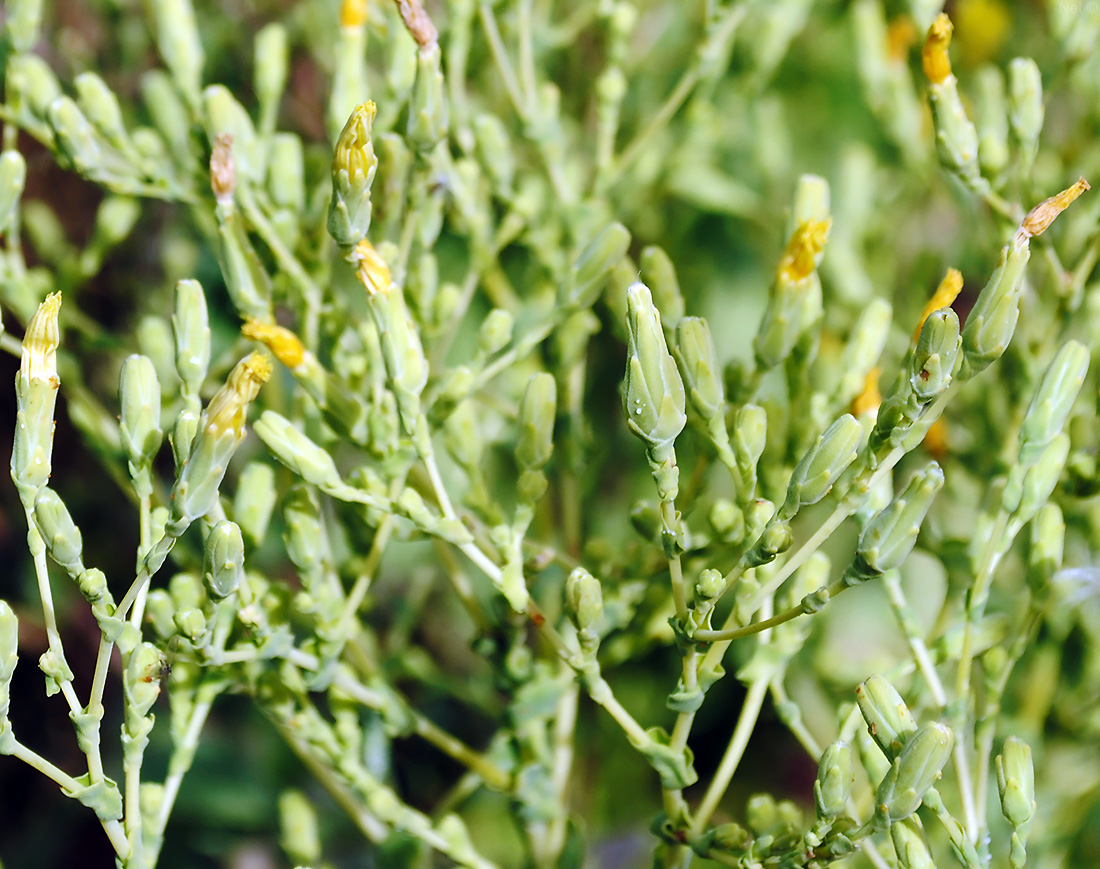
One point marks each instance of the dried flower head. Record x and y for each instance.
(223, 171)
(372, 270)
(354, 152)
(417, 22)
(799, 259)
(229, 406)
(1043, 214)
(283, 343)
(945, 294)
(934, 57)
(38, 360)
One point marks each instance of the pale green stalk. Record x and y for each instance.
(500, 57)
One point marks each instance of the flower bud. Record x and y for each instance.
(191, 329)
(910, 845)
(889, 537)
(775, 538)
(309, 461)
(76, 138)
(58, 530)
(1048, 537)
(834, 780)
(936, 353)
(992, 320)
(36, 386)
(286, 172)
(1029, 487)
(353, 166)
(303, 532)
(494, 147)
(537, 412)
(254, 500)
(583, 599)
(22, 23)
(991, 121)
(865, 346)
(592, 267)
(223, 560)
(698, 362)
(1016, 781)
(31, 85)
(428, 105)
(659, 274)
(823, 463)
(299, 828)
(914, 772)
(13, 177)
(139, 422)
(100, 106)
(1046, 415)
(177, 37)
(889, 720)
(653, 394)
(270, 70)
(141, 684)
(1025, 107)
(495, 332)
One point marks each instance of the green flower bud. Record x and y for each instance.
(834, 780)
(100, 106)
(910, 845)
(653, 394)
(178, 41)
(889, 537)
(304, 533)
(992, 320)
(309, 461)
(1048, 536)
(583, 599)
(191, 329)
(141, 685)
(139, 422)
(31, 84)
(246, 279)
(659, 275)
(1016, 781)
(254, 500)
(710, 584)
(183, 435)
(495, 332)
(353, 166)
(190, 623)
(914, 772)
(1053, 400)
(824, 462)
(406, 364)
(537, 412)
(811, 202)
(645, 516)
(286, 172)
(299, 835)
(428, 107)
(1025, 107)
(1029, 487)
(698, 362)
(22, 22)
(726, 520)
(224, 115)
(169, 114)
(991, 121)
(593, 266)
(937, 351)
(889, 720)
(9, 649)
(13, 177)
(36, 386)
(223, 560)
(956, 136)
(864, 347)
(58, 530)
(76, 139)
(494, 148)
(776, 538)
(270, 71)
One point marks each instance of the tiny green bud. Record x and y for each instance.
(298, 827)
(428, 106)
(991, 121)
(100, 106)
(353, 166)
(254, 500)
(583, 599)
(139, 422)
(142, 683)
(13, 177)
(1053, 400)
(223, 560)
(910, 845)
(1048, 536)
(76, 138)
(22, 22)
(191, 329)
(659, 274)
(936, 353)
(777, 537)
(823, 463)
(914, 772)
(9, 652)
(1016, 781)
(178, 41)
(726, 520)
(992, 320)
(495, 150)
(865, 346)
(695, 353)
(709, 585)
(653, 398)
(1025, 107)
(594, 265)
(58, 529)
(30, 81)
(495, 331)
(1029, 487)
(889, 720)
(270, 68)
(286, 172)
(834, 780)
(304, 534)
(191, 623)
(889, 537)
(537, 412)
(309, 461)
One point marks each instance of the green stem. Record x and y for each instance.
(500, 57)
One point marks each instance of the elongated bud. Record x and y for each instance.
(353, 166)
(889, 537)
(834, 780)
(191, 328)
(583, 599)
(594, 265)
(139, 423)
(62, 537)
(299, 830)
(865, 345)
(270, 69)
(1030, 486)
(254, 500)
(992, 320)
(309, 461)
(76, 138)
(750, 436)
(220, 431)
(823, 463)
(1016, 781)
(956, 136)
(653, 396)
(13, 177)
(1025, 107)
(914, 772)
(226, 116)
(694, 351)
(304, 532)
(178, 41)
(1053, 400)
(495, 332)
(36, 387)
(100, 106)
(992, 121)
(537, 412)
(31, 84)
(945, 294)
(429, 115)
(936, 354)
(659, 274)
(1048, 537)
(910, 845)
(142, 682)
(495, 151)
(9, 657)
(223, 560)
(22, 22)
(889, 720)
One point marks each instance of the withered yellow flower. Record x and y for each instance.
(283, 343)
(799, 259)
(934, 57)
(372, 270)
(1043, 214)
(228, 408)
(38, 359)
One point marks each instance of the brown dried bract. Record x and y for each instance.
(1043, 214)
(223, 171)
(417, 22)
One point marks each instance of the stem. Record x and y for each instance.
(144, 532)
(500, 56)
(528, 79)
